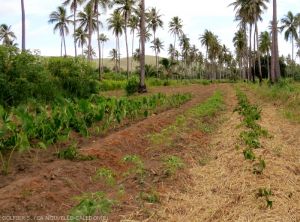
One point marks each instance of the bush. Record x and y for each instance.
(132, 86)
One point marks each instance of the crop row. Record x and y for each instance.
(251, 114)
(38, 126)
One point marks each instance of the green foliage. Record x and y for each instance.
(132, 86)
(90, 205)
(249, 154)
(251, 138)
(25, 76)
(259, 167)
(107, 175)
(139, 167)
(172, 164)
(72, 153)
(265, 193)
(151, 197)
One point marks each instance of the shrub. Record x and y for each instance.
(132, 86)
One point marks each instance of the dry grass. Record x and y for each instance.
(225, 189)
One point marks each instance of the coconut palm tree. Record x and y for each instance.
(116, 23)
(81, 38)
(102, 38)
(265, 47)
(23, 26)
(240, 44)
(61, 21)
(125, 7)
(133, 24)
(175, 28)
(205, 39)
(103, 5)
(157, 47)
(275, 68)
(73, 7)
(142, 85)
(114, 57)
(88, 22)
(154, 22)
(7, 36)
(289, 25)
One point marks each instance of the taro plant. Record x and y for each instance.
(139, 167)
(172, 164)
(107, 175)
(265, 193)
(91, 204)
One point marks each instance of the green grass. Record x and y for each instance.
(286, 94)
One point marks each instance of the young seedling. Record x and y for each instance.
(259, 167)
(151, 197)
(172, 164)
(264, 192)
(139, 168)
(249, 154)
(107, 175)
(91, 204)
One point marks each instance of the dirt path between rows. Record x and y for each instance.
(225, 189)
(49, 188)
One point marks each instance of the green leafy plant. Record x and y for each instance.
(139, 167)
(151, 197)
(107, 175)
(72, 153)
(132, 86)
(172, 164)
(91, 204)
(259, 167)
(249, 154)
(266, 193)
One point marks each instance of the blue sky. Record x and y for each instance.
(197, 15)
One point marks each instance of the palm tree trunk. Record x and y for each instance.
(61, 47)
(292, 48)
(64, 39)
(74, 20)
(142, 86)
(275, 68)
(127, 51)
(156, 62)
(23, 26)
(132, 51)
(99, 44)
(119, 54)
(268, 64)
(250, 53)
(258, 54)
(90, 39)
(102, 57)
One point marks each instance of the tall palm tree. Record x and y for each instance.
(102, 38)
(157, 47)
(104, 5)
(73, 7)
(184, 42)
(205, 39)
(133, 24)
(265, 47)
(289, 25)
(88, 22)
(125, 7)
(61, 20)
(240, 44)
(275, 68)
(142, 85)
(23, 26)
(114, 57)
(116, 23)
(154, 22)
(175, 28)
(81, 38)
(6, 34)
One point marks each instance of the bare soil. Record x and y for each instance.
(41, 184)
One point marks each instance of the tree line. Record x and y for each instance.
(184, 58)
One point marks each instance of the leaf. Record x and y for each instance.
(42, 145)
